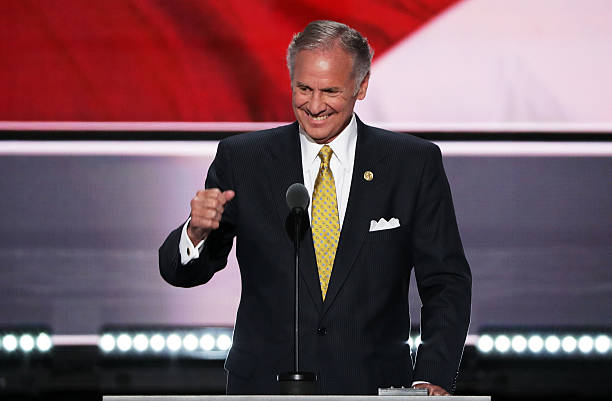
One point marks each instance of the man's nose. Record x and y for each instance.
(316, 104)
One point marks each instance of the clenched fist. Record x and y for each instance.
(206, 210)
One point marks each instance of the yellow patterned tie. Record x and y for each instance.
(325, 224)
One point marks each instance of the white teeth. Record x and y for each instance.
(319, 118)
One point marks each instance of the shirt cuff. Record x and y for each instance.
(187, 250)
(419, 382)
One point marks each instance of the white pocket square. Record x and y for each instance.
(383, 224)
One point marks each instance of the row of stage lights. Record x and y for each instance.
(501, 344)
(206, 343)
(215, 342)
(25, 342)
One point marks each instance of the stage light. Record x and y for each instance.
(140, 342)
(418, 341)
(410, 342)
(9, 343)
(43, 342)
(190, 342)
(174, 342)
(535, 344)
(552, 344)
(519, 344)
(224, 342)
(207, 342)
(569, 344)
(585, 344)
(485, 343)
(26, 343)
(124, 342)
(107, 343)
(502, 343)
(602, 344)
(157, 342)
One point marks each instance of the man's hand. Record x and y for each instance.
(432, 389)
(206, 210)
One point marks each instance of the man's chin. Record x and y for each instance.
(319, 135)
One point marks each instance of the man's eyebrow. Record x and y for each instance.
(329, 89)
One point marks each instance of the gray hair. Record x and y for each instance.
(324, 35)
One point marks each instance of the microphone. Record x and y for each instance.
(297, 222)
(297, 197)
(297, 382)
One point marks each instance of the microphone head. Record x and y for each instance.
(297, 196)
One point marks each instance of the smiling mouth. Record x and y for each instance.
(317, 118)
(320, 118)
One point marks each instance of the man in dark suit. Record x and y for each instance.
(381, 205)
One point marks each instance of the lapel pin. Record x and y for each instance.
(368, 175)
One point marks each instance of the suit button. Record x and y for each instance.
(321, 331)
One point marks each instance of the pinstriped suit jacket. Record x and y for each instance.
(356, 340)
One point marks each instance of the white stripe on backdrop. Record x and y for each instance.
(209, 148)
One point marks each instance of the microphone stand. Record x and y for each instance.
(296, 382)
(296, 299)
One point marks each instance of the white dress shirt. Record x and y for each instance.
(186, 248)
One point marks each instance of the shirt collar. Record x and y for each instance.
(341, 145)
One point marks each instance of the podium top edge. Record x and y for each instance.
(293, 398)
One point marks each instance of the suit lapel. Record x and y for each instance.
(356, 220)
(285, 169)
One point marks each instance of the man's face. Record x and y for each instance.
(323, 92)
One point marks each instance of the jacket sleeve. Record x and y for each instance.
(218, 244)
(443, 278)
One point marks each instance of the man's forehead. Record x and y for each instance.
(324, 60)
(320, 61)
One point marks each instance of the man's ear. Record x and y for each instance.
(363, 87)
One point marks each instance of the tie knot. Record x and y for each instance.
(325, 154)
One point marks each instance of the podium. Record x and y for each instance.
(292, 398)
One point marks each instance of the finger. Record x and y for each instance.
(198, 204)
(202, 218)
(212, 203)
(212, 214)
(203, 200)
(202, 205)
(226, 196)
(437, 390)
(198, 210)
(424, 386)
(229, 195)
(208, 193)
